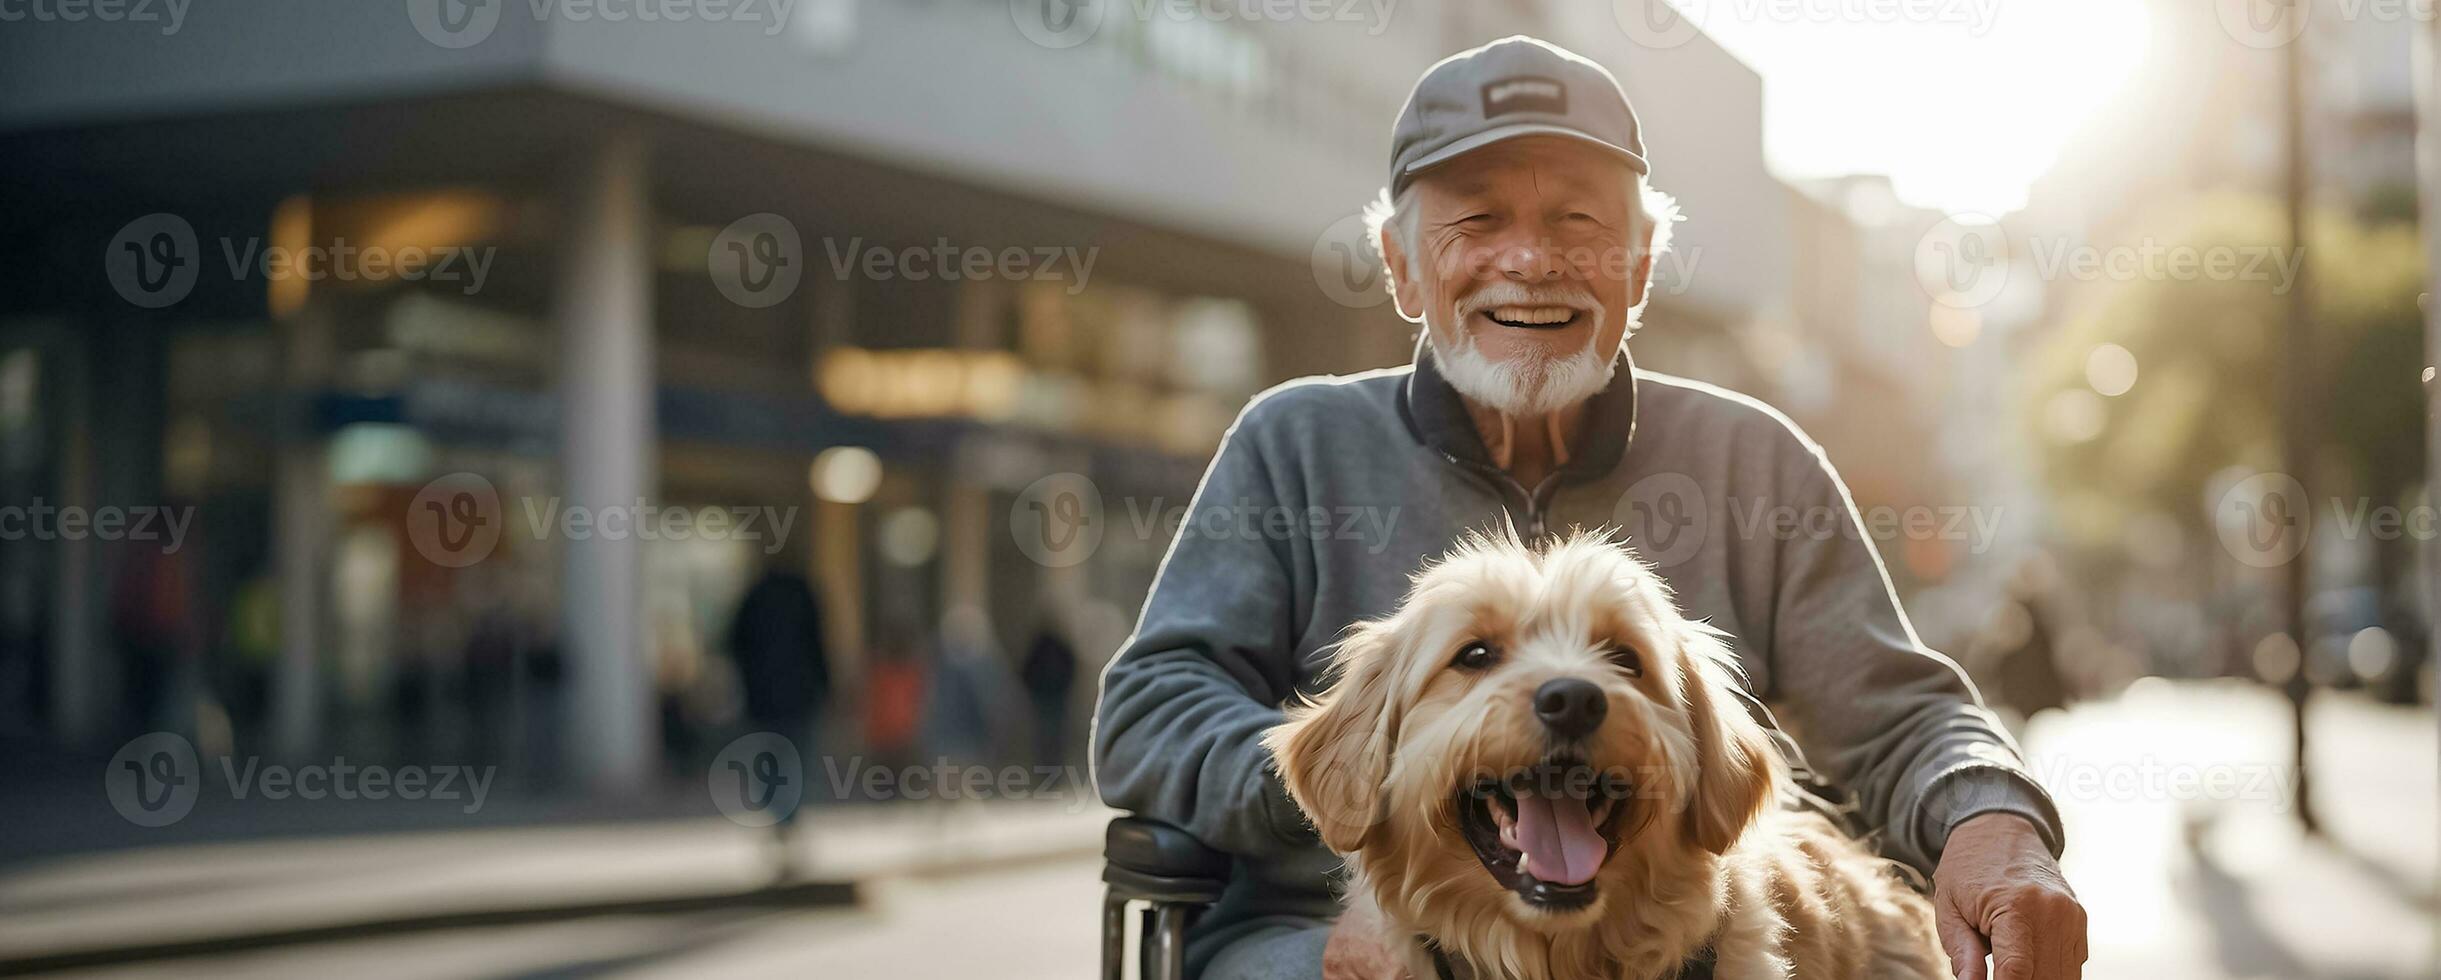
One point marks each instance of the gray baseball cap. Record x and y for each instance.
(1512, 87)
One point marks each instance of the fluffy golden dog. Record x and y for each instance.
(1536, 766)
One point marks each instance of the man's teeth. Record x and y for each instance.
(1532, 314)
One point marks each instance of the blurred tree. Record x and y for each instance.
(2205, 341)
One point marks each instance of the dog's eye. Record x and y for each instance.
(1474, 656)
(1627, 658)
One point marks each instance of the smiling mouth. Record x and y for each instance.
(1533, 317)
(1545, 830)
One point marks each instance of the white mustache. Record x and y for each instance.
(1505, 293)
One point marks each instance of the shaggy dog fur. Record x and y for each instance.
(1525, 850)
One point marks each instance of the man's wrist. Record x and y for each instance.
(1966, 794)
(1995, 823)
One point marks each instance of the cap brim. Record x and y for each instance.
(1488, 137)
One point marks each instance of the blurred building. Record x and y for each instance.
(862, 273)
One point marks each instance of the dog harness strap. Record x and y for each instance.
(1698, 966)
(1442, 968)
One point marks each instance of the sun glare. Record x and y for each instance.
(1963, 103)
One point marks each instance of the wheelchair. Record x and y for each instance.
(1167, 877)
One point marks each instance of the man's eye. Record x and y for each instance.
(1628, 659)
(1477, 655)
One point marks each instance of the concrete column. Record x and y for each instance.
(2427, 82)
(301, 534)
(604, 311)
(80, 637)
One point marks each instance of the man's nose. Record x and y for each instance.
(1528, 255)
(1570, 707)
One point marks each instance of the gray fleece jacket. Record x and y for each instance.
(1328, 492)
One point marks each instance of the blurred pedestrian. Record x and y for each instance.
(1049, 675)
(894, 695)
(777, 640)
(972, 711)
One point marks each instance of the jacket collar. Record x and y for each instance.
(1438, 416)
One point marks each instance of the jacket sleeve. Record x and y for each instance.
(1896, 724)
(1177, 732)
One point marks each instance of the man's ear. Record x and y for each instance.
(1334, 754)
(1737, 768)
(1406, 295)
(1640, 279)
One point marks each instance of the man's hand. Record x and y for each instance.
(1997, 890)
(1361, 946)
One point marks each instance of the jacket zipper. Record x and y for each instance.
(1503, 482)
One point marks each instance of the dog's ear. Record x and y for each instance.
(1334, 754)
(1737, 766)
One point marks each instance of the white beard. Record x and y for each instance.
(1526, 386)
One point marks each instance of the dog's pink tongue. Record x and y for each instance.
(1558, 838)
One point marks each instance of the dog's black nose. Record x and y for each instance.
(1570, 707)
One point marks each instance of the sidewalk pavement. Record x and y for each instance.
(2187, 854)
(194, 897)
(2181, 845)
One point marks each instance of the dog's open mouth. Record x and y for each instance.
(1544, 831)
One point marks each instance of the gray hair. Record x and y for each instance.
(1655, 209)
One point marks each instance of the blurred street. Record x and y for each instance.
(2178, 872)
(467, 470)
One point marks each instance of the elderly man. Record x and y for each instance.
(1518, 228)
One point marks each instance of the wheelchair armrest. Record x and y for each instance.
(1147, 860)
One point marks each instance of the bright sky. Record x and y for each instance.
(1962, 102)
